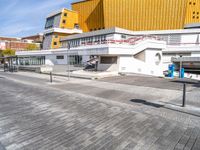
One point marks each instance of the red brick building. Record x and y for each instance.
(20, 43)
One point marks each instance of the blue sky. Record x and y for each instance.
(26, 17)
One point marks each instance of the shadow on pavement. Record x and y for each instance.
(181, 111)
(140, 101)
(192, 83)
(144, 102)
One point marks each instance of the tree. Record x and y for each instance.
(1, 55)
(8, 52)
(32, 47)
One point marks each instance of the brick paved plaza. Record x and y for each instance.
(110, 114)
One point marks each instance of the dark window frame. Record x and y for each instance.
(60, 57)
(108, 60)
(64, 21)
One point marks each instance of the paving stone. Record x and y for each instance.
(38, 116)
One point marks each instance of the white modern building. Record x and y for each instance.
(124, 51)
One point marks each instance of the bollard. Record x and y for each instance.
(184, 95)
(51, 77)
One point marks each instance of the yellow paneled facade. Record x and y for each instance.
(137, 15)
(91, 14)
(145, 14)
(56, 40)
(193, 10)
(68, 20)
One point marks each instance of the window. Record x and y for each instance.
(60, 57)
(193, 17)
(49, 23)
(55, 43)
(76, 26)
(56, 36)
(197, 17)
(123, 36)
(64, 21)
(108, 60)
(157, 59)
(193, 12)
(75, 60)
(194, 3)
(65, 14)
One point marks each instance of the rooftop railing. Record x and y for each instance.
(129, 41)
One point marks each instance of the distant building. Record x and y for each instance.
(2, 45)
(38, 38)
(19, 44)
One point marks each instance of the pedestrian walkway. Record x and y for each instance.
(30, 119)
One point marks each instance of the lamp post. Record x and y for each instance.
(68, 62)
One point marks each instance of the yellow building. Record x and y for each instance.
(192, 18)
(60, 24)
(138, 15)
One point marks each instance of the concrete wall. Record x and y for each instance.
(190, 38)
(51, 60)
(108, 67)
(195, 54)
(47, 42)
(129, 64)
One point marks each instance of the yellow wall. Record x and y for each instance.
(136, 14)
(71, 19)
(145, 14)
(56, 38)
(90, 14)
(193, 12)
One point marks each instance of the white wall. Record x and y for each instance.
(190, 38)
(108, 67)
(129, 64)
(195, 54)
(51, 60)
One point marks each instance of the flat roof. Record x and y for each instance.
(130, 32)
